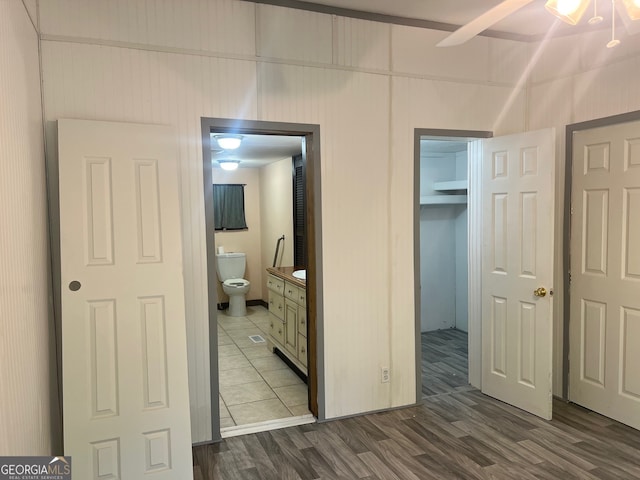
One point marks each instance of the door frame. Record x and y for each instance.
(474, 251)
(566, 233)
(311, 135)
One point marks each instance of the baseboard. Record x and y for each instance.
(229, 432)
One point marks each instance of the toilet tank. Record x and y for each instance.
(230, 265)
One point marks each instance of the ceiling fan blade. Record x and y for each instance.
(481, 23)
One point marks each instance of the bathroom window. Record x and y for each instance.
(228, 207)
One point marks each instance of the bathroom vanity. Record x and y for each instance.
(288, 315)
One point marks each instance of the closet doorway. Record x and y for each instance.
(443, 230)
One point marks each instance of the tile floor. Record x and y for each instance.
(255, 384)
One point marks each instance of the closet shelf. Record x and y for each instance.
(443, 199)
(451, 186)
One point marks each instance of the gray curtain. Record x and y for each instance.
(228, 207)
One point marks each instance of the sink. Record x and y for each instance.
(300, 275)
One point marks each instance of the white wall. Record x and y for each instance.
(276, 215)
(437, 247)
(28, 395)
(367, 85)
(443, 247)
(438, 272)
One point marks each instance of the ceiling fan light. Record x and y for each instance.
(229, 142)
(569, 11)
(633, 8)
(229, 165)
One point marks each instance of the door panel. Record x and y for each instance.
(517, 258)
(126, 404)
(291, 326)
(605, 269)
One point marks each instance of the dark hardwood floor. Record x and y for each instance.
(464, 435)
(444, 362)
(457, 433)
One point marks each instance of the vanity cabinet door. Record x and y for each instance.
(276, 328)
(302, 349)
(302, 297)
(276, 304)
(291, 327)
(302, 320)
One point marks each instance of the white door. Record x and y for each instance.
(604, 368)
(517, 260)
(126, 401)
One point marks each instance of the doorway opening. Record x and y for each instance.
(444, 333)
(510, 266)
(256, 383)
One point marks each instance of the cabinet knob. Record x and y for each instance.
(302, 350)
(279, 307)
(271, 325)
(301, 322)
(279, 330)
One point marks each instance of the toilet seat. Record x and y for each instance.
(236, 283)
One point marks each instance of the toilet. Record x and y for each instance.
(230, 268)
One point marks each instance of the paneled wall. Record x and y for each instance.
(131, 85)
(28, 394)
(367, 85)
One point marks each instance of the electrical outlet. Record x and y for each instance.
(385, 376)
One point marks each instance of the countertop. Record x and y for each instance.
(286, 273)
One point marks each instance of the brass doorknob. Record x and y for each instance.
(540, 292)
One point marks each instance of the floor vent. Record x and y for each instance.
(257, 338)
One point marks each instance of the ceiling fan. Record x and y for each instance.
(569, 11)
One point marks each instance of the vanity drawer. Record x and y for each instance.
(291, 292)
(275, 284)
(302, 320)
(276, 328)
(302, 350)
(276, 304)
(302, 297)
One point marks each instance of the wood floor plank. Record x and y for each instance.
(444, 361)
(378, 466)
(551, 456)
(400, 460)
(424, 442)
(261, 459)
